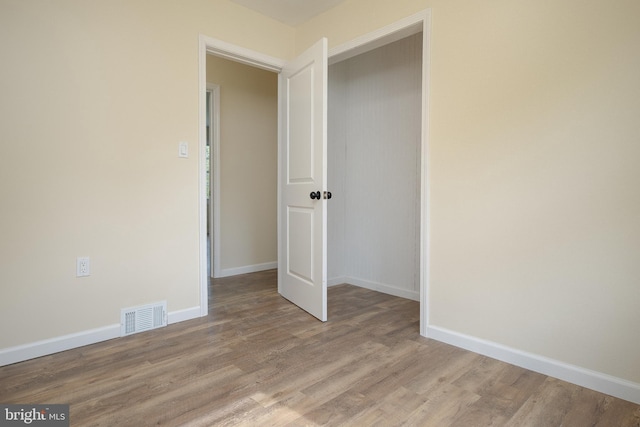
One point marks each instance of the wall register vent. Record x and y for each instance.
(143, 318)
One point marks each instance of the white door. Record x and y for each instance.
(302, 174)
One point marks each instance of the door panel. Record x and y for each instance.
(302, 258)
(300, 126)
(300, 262)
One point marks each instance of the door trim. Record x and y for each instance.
(210, 45)
(214, 177)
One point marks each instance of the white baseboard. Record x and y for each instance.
(375, 286)
(54, 345)
(28, 351)
(226, 272)
(593, 380)
(185, 314)
(337, 281)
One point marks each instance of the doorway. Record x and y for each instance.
(374, 131)
(408, 26)
(242, 167)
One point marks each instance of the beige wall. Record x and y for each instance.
(248, 157)
(533, 169)
(95, 97)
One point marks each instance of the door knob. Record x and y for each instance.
(316, 195)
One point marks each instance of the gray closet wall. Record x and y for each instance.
(374, 129)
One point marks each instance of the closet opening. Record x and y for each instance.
(375, 112)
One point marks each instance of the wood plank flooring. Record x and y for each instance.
(258, 360)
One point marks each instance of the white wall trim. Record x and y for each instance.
(240, 54)
(398, 30)
(54, 345)
(375, 286)
(182, 315)
(202, 176)
(280, 248)
(425, 200)
(248, 269)
(46, 347)
(214, 89)
(597, 381)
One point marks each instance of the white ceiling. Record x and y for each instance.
(290, 12)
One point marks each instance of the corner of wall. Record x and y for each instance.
(593, 380)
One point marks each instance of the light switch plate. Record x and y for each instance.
(183, 149)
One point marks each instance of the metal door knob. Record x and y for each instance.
(315, 195)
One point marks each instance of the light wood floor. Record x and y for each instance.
(258, 360)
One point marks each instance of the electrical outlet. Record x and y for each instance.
(82, 266)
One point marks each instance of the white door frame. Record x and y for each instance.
(214, 178)
(235, 53)
(420, 21)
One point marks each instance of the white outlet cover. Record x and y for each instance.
(83, 266)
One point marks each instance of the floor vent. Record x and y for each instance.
(143, 318)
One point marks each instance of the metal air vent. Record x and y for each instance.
(143, 318)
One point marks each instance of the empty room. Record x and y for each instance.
(449, 192)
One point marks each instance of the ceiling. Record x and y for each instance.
(290, 12)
